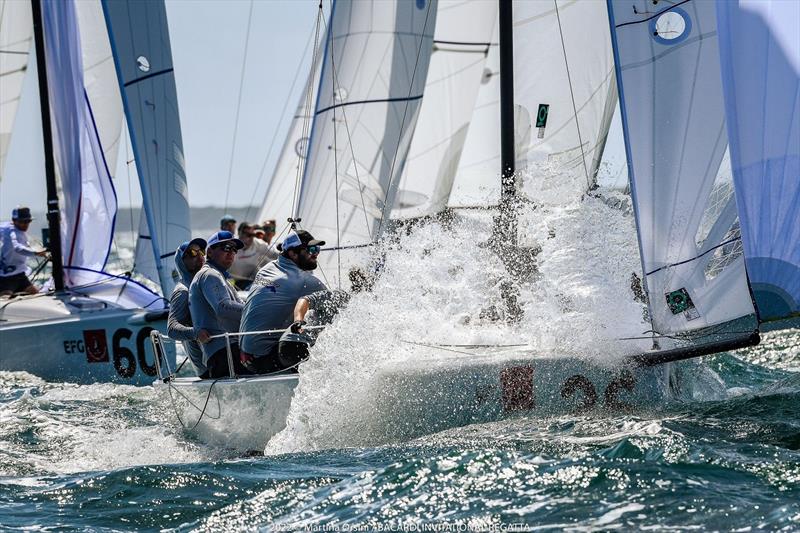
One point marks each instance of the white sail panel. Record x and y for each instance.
(89, 202)
(284, 186)
(371, 86)
(563, 60)
(462, 41)
(760, 57)
(16, 43)
(140, 41)
(668, 73)
(100, 79)
(477, 181)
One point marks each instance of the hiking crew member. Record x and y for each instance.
(215, 305)
(255, 254)
(272, 300)
(189, 259)
(14, 253)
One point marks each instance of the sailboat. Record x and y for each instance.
(673, 93)
(94, 67)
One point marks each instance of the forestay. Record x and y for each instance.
(16, 43)
(760, 59)
(371, 86)
(140, 41)
(667, 62)
(462, 41)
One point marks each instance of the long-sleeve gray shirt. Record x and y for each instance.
(215, 306)
(180, 328)
(271, 302)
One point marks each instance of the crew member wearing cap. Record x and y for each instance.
(14, 253)
(227, 223)
(215, 306)
(270, 304)
(189, 259)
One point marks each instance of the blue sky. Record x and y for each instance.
(208, 42)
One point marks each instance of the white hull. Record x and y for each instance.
(409, 402)
(80, 340)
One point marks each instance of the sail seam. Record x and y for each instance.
(381, 101)
(147, 77)
(729, 241)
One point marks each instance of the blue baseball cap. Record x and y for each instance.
(201, 243)
(224, 236)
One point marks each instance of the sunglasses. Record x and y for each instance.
(194, 252)
(314, 249)
(271, 229)
(229, 248)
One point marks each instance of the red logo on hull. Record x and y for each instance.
(96, 345)
(517, 384)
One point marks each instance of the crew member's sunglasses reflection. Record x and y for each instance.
(230, 248)
(194, 252)
(313, 249)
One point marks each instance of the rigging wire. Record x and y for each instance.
(572, 96)
(307, 112)
(239, 102)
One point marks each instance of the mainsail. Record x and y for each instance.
(462, 41)
(563, 85)
(371, 85)
(16, 41)
(667, 62)
(564, 96)
(140, 41)
(760, 59)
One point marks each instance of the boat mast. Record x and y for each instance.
(53, 212)
(507, 219)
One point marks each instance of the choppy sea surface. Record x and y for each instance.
(724, 454)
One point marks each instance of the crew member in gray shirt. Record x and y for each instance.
(216, 306)
(189, 259)
(275, 291)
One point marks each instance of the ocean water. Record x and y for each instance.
(722, 454)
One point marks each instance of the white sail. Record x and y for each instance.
(140, 40)
(667, 62)
(100, 79)
(462, 41)
(89, 202)
(477, 181)
(16, 43)
(760, 53)
(371, 86)
(563, 60)
(284, 186)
